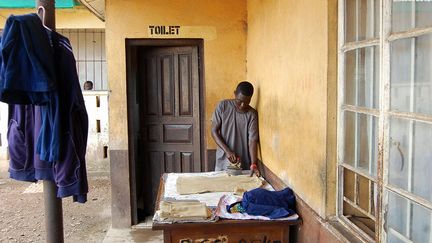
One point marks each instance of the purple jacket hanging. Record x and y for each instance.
(23, 130)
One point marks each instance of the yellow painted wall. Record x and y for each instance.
(76, 18)
(222, 25)
(291, 62)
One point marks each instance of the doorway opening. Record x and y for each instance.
(165, 114)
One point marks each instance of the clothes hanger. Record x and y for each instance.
(42, 8)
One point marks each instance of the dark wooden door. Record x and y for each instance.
(169, 114)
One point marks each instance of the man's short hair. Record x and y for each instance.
(245, 88)
(88, 85)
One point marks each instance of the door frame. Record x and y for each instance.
(145, 42)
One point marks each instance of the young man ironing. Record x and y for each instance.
(235, 130)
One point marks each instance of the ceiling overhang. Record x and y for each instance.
(97, 7)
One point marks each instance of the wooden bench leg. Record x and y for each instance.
(167, 236)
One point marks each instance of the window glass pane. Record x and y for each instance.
(367, 143)
(402, 15)
(409, 14)
(407, 220)
(361, 132)
(423, 75)
(422, 160)
(361, 19)
(421, 224)
(399, 145)
(397, 213)
(350, 138)
(400, 75)
(423, 13)
(392, 238)
(411, 77)
(410, 141)
(362, 77)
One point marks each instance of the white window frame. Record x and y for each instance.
(383, 113)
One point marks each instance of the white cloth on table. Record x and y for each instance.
(220, 183)
(183, 210)
(210, 199)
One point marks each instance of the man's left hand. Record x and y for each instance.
(254, 169)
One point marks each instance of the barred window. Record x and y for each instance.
(89, 50)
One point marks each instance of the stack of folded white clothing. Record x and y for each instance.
(183, 210)
(220, 183)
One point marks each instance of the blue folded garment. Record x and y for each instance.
(272, 204)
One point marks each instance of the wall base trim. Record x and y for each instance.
(120, 189)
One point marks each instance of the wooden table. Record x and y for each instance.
(224, 230)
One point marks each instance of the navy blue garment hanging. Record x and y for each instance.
(27, 74)
(70, 169)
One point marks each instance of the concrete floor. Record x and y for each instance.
(133, 235)
(141, 232)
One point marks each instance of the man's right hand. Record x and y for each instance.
(231, 156)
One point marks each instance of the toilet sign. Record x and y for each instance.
(183, 31)
(164, 29)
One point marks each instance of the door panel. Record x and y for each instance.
(169, 113)
(186, 161)
(186, 99)
(150, 97)
(167, 81)
(177, 134)
(171, 163)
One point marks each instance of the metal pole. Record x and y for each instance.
(53, 213)
(53, 205)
